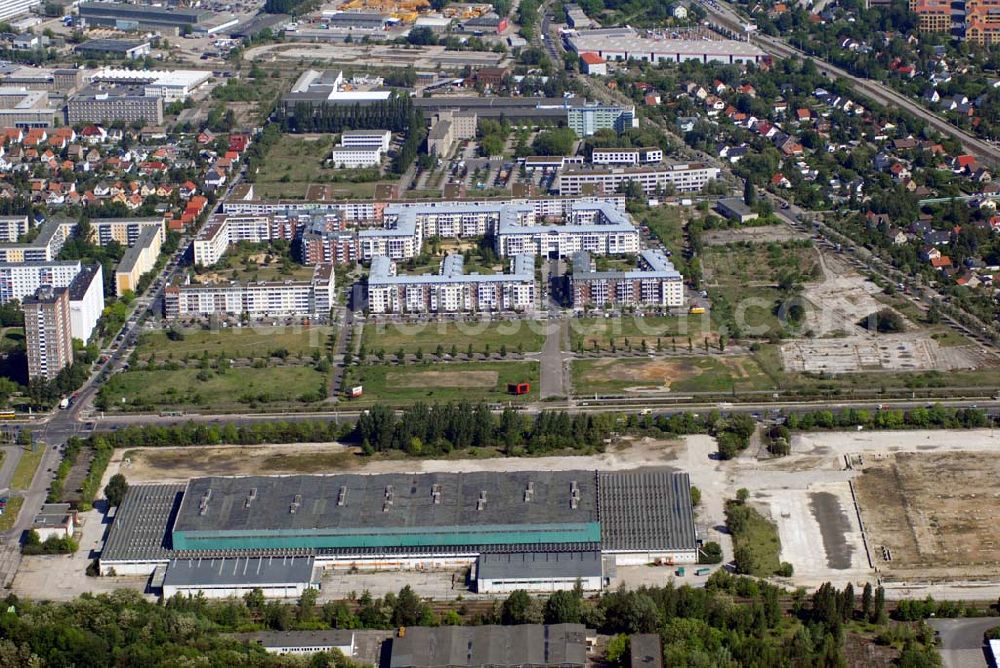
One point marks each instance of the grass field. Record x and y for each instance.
(391, 337)
(10, 513)
(754, 309)
(235, 342)
(666, 222)
(24, 472)
(296, 162)
(942, 333)
(235, 388)
(473, 381)
(675, 374)
(759, 535)
(742, 264)
(12, 338)
(629, 331)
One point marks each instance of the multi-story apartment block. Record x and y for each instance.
(44, 247)
(139, 259)
(587, 120)
(451, 290)
(654, 283)
(313, 298)
(125, 230)
(86, 300)
(48, 332)
(19, 280)
(982, 21)
(222, 230)
(682, 177)
(594, 227)
(934, 15)
(112, 106)
(12, 227)
(324, 239)
(367, 138)
(353, 157)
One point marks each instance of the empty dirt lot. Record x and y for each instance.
(915, 351)
(931, 516)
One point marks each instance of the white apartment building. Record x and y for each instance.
(12, 227)
(683, 177)
(626, 156)
(596, 228)
(353, 157)
(18, 280)
(367, 139)
(313, 298)
(654, 282)
(86, 301)
(221, 230)
(451, 290)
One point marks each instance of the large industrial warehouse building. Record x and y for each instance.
(534, 529)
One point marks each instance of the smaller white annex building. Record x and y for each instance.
(539, 571)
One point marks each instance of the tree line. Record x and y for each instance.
(395, 114)
(441, 428)
(732, 621)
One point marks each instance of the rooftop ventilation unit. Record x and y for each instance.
(250, 497)
(203, 504)
(296, 502)
(342, 496)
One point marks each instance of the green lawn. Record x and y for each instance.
(296, 162)
(740, 264)
(752, 530)
(666, 222)
(632, 330)
(753, 310)
(273, 387)
(12, 338)
(10, 513)
(720, 374)
(390, 337)
(472, 381)
(24, 472)
(235, 342)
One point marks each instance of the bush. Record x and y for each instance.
(710, 553)
(52, 545)
(785, 570)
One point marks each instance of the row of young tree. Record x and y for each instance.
(440, 428)
(933, 416)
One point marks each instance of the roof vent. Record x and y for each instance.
(436, 493)
(250, 497)
(529, 491)
(481, 503)
(342, 496)
(296, 502)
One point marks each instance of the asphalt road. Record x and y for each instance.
(961, 641)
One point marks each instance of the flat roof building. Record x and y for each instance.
(654, 283)
(24, 108)
(113, 105)
(86, 301)
(19, 280)
(172, 20)
(535, 645)
(579, 179)
(276, 577)
(139, 259)
(116, 48)
(54, 520)
(504, 572)
(315, 88)
(171, 85)
(734, 208)
(630, 46)
(47, 332)
(302, 642)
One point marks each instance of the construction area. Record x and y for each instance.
(930, 517)
(884, 352)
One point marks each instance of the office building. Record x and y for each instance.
(576, 180)
(628, 45)
(59, 80)
(20, 280)
(24, 108)
(353, 157)
(626, 156)
(13, 8)
(139, 259)
(111, 106)
(586, 120)
(86, 301)
(313, 298)
(451, 290)
(114, 48)
(379, 139)
(48, 332)
(654, 283)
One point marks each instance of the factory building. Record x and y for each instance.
(404, 521)
(502, 573)
(171, 85)
(12, 8)
(313, 298)
(115, 48)
(654, 283)
(579, 179)
(518, 646)
(167, 20)
(59, 80)
(628, 45)
(276, 577)
(451, 290)
(24, 108)
(316, 88)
